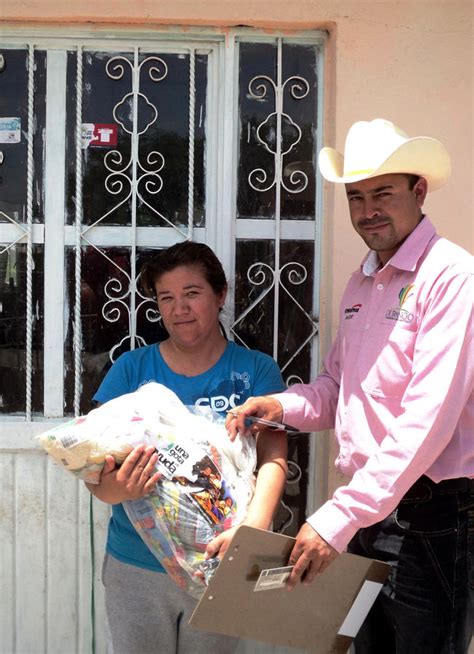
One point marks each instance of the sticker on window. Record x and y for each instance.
(10, 130)
(99, 134)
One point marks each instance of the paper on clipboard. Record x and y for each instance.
(309, 618)
(273, 578)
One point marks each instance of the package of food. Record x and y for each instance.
(206, 484)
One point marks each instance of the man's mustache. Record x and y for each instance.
(373, 222)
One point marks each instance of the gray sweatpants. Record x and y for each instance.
(148, 614)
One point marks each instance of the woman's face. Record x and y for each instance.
(188, 305)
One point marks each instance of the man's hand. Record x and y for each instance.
(268, 408)
(135, 478)
(310, 556)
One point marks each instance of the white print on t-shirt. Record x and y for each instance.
(244, 377)
(219, 402)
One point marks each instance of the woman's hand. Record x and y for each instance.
(219, 544)
(267, 407)
(135, 478)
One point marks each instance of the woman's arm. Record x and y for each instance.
(272, 450)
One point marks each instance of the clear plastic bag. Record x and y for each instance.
(207, 480)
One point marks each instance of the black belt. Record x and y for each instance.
(424, 488)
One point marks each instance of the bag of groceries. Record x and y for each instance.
(207, 480)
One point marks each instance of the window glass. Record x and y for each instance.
(261, 129)
(14, 133)
(135, 148)
(254, 283)
(17, 367)
(13, 360)
(106, 316)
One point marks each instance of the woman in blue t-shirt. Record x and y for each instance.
(146, 611)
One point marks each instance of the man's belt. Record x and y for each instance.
(424, 488)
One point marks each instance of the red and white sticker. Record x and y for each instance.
(99, 135)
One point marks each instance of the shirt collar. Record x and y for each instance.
(370, 263)
(408, 254)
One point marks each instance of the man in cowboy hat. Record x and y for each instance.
(397, 385)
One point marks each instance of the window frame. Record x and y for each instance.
(221, 230)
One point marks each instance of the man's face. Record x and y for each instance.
(384, 210)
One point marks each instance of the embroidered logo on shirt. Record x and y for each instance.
(399, 313)
(350, 311)
(405, 293)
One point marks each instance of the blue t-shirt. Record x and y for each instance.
(239, 374)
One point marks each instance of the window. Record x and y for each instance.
(111, 148)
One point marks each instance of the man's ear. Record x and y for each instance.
(420, 190)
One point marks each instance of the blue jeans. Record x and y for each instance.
(424, 606)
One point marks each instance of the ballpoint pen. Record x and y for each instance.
(277, 426)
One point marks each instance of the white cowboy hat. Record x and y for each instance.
(379, 147)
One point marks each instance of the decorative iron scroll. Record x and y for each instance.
(279, 134)
(288, 133)
(134, 179)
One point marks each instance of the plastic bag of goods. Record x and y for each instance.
(207, 480)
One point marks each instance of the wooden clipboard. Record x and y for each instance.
(321, 617)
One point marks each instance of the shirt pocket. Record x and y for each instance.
(386, 362)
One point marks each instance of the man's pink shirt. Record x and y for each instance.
(397, 383)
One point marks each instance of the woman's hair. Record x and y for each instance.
(187, 253)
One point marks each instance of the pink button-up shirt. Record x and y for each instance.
(397, 383)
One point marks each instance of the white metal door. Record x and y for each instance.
(110, 148)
